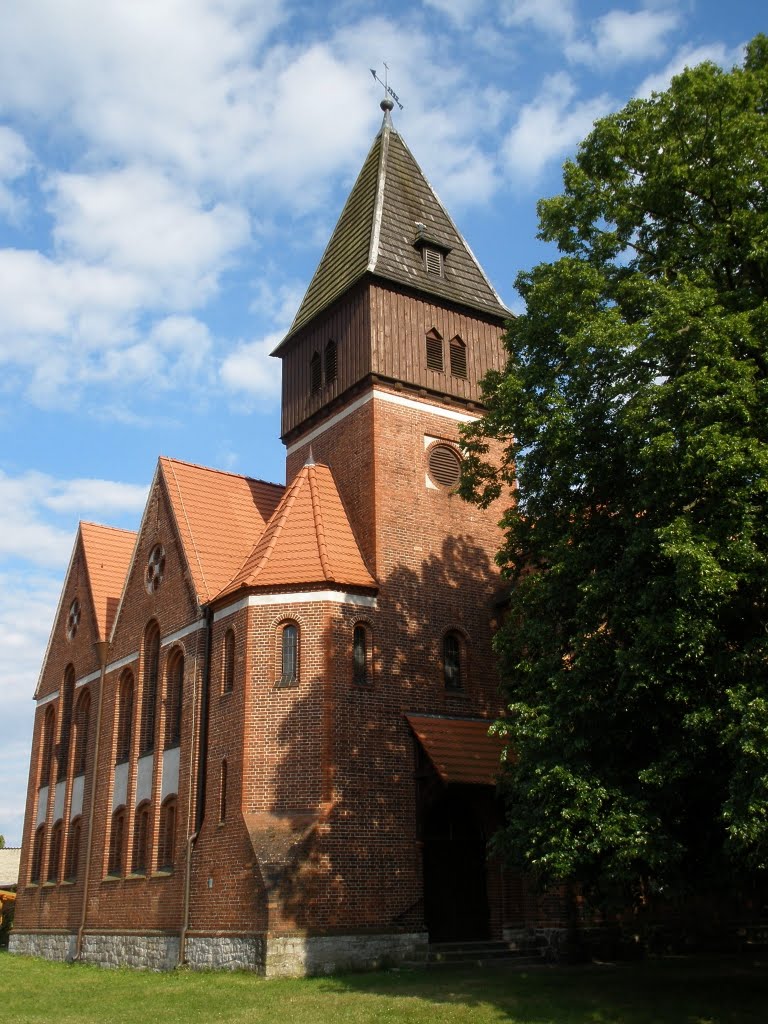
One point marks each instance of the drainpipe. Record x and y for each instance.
(102, 649)
(201, 784)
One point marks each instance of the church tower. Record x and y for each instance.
(381, 366)
(398, 326)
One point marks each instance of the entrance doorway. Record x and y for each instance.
(454, 851)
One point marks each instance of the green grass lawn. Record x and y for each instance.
(670, 991)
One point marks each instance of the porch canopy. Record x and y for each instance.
(460, 748)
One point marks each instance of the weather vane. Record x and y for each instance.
(386, 85)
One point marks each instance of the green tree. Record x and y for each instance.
(2, 842)
(633, 413)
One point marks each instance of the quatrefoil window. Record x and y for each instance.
(155, 568)
(73, 619)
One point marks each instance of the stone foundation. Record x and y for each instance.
(289, 956)
(294, 956)
(224, 953)
(49, 945)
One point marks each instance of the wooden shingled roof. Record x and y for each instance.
(377, 231)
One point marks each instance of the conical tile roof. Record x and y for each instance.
(307, 541)
(391, 204)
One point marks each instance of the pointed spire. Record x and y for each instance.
(378, 233)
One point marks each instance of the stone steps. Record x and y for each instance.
(477, 954)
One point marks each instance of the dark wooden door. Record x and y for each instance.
(455, 892)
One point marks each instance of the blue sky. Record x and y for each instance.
(170, 171)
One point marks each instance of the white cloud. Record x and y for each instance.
(688, 57)
(458, 11)
(15, 160)
(28, 603)
(549, 16)
(136, 221)
(27, 530)
(550, 126)
(167, 77)
(250, 369)
(619, 37)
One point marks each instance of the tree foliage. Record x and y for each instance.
(633, 413)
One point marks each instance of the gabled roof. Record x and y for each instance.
(308, 540)
(377, 230)
(108, 552)
(220, 516)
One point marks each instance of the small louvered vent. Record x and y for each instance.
(433, 261)
(434, 351)
(315, 374)
(458, 358)
(330, 362)
(444, 465)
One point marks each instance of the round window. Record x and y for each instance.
(444, 465)
(73, 619)
(155, 568)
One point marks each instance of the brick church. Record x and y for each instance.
(261, 736)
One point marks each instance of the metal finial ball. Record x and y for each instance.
(387, 104)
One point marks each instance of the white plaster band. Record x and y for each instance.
(122, 662)
(307, 597)
(381, 396)
(47, 699)
(91, 678)
(173, 637)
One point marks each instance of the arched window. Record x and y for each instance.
(68, 695)
(452, 674)
(141, 839)
(330, 362)
(117, 843)
(82, 719)
(166, 853)
(124, 717)
(223, 791)
(174, 691)
(315, 373)
(73, 849)
(54, 856)
(458, 357)
(49, 731)
(228, 674)
(289, 655)
(361, 655)
(149, 693)
(36, 866)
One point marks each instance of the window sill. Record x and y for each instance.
(162, 873)
(112, 878)
(134, 875)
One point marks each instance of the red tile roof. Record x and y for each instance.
(108, 554)
(220, 517)
(460, 748)
(308, 540)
